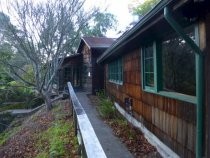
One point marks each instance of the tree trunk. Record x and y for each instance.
(47, 100)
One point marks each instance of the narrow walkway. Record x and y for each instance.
(110, 143)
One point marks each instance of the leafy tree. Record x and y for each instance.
(44, 33)
(143, 8)
(5, 54)
(101, 22)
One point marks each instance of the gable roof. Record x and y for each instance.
(95, 42)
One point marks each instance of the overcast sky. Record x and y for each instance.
(117, 7)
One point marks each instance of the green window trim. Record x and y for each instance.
(158, 81)
(115, 71)
(150, 88)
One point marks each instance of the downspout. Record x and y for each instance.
(199, 80)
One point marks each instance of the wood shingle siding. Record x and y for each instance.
(171, 120)
(87, 64)
(93, 75)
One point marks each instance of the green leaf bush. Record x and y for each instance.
(106, 107)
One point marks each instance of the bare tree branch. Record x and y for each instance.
(42, 34)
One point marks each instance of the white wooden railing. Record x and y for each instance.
(90, 146)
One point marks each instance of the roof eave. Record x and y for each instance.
(124, 38)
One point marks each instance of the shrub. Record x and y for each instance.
(101, 94)
(17, 92)
(35, 102)
(106, 108)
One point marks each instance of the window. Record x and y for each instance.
(148, 66)
(168, 67)
(178, 63)
(115, 71)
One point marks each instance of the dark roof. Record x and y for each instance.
(95, 42)
(71, 57)
(134, 32)
(98, 42)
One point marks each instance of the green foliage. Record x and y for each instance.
(5, 135)
(34, 102)
(5, 54)
(56, 136)
(42, 155)
(6, 51)
(101, 94)
(12, 106)
(23, 105)
(143, 8)
(101, 23)
(15, 91)
(29, 75)
(121, 121)
(106, 107)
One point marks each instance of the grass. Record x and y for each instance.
(54, 141)
(7, 134)
(42, 155)
(4, 137)
(59, 135)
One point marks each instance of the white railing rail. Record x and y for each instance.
(90, 146)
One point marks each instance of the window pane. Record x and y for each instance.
(148, 51)
(149, 77)
(115, 70)
(178, 62)
(149, 66)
